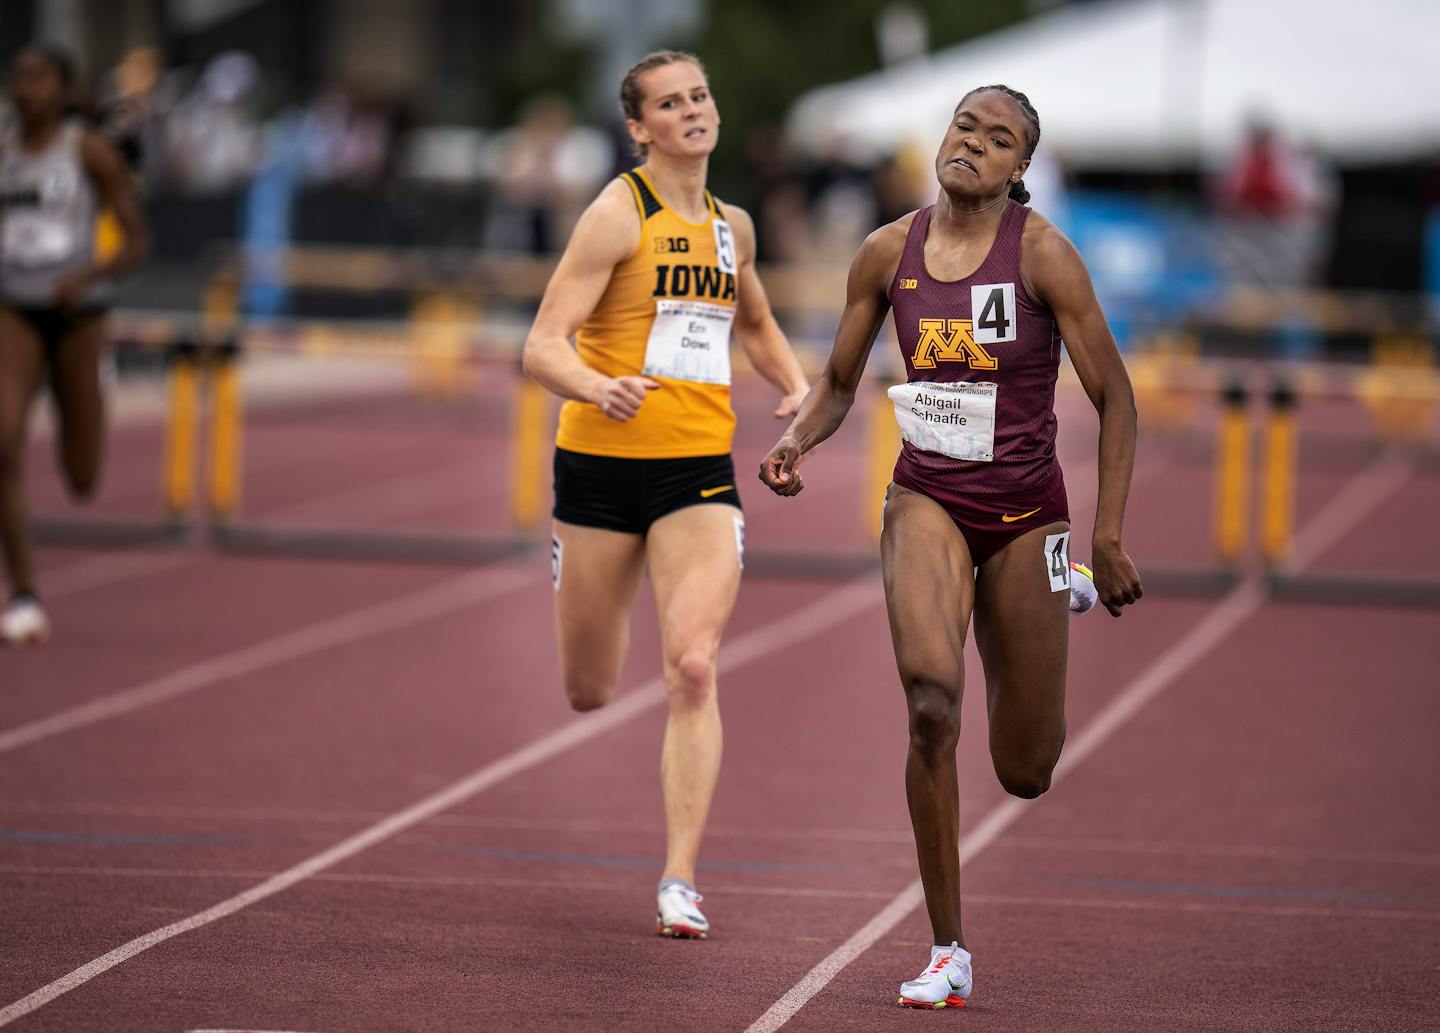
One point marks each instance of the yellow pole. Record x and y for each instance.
(1232, 475)
(437, 339)
(1419, 391)
(1280, 458)
(218, 308)
(226, 431)
(529, 435)
(882, 436)
(184, 394)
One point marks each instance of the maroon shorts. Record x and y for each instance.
(991, 522)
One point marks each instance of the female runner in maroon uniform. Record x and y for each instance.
(976, 519)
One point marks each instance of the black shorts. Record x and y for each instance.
(53, 324)
(631, 494)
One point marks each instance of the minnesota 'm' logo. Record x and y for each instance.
(950, 340)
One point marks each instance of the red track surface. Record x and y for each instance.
(1254, 848)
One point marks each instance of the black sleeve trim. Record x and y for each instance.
(649, 203)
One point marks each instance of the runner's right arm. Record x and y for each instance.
(826, 405)
(605, 236)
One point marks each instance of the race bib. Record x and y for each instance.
(33, 239)
(690, 340)
(955, 420)
(1057, 560)
(724, 247)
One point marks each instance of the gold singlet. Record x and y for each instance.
(666, 312)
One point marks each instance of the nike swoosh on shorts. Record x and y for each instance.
(1010, 520)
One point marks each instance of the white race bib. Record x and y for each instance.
(35, 239)
(1057, 560)
(953, 419)
(690, 340)
(724, 247)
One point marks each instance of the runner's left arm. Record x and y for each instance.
(759, 335)
(114, 190)
(1056, 274)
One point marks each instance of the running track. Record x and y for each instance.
(276, 794)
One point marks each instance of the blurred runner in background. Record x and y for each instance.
(56, 177)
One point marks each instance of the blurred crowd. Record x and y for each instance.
(215, 130)
(205, 130)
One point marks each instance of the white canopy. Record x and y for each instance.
(1147, 83)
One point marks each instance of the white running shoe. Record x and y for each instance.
(23, 622)
(946, 982)
(1082, 589)
(679, 914)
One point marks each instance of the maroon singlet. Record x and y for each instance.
(1011, 330)
(984, 328)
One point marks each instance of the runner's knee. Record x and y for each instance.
(1026, 776)
(81, 481)
(587, 691)
(692, 679)
(934, 714)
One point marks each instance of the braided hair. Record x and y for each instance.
(1032, 136)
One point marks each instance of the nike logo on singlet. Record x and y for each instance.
(1010, 520)
(705, 493)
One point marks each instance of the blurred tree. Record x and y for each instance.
(762, 55)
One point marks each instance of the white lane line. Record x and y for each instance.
(566, 826)
(1285, 855)
(406, 611)
(1356, 501)
(1366, 492)
(741, 889)
(1262, 910)
(108, 568)
(395, 497)
(830, 609)
(398, 496)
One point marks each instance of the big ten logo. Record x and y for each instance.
(909, 284)
(672, 245)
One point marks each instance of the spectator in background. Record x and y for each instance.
(544, 170)
(842, 201)
(213, 136)
(1259, 182)
(1276, 200)
(903, 182)
(778, 197)
(348, 138)
(128, 111)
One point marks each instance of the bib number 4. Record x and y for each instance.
(1057, 560)
(992, 307)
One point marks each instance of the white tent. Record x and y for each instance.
(1147, 83)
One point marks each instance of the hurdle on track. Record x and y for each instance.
(446, 339)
